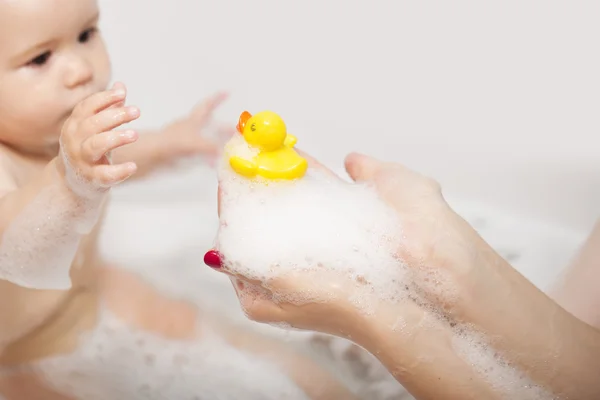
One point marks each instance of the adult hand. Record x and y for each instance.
(461, 325)
(433, 238)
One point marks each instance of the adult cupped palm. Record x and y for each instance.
(430, 249)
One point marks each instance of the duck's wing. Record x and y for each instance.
(290, 141)
(243, 167)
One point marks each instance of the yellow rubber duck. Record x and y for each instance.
(277, 158)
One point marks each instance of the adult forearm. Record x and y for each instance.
(500, 337)
(530, 330)
(419, 351)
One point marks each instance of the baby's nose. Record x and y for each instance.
(79, 72)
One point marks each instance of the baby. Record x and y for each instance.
(72, 327)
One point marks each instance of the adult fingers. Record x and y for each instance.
(257, 302)
(214, 259)
(219, 198)
(361, 167)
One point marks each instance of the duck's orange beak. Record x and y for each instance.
(242, 121)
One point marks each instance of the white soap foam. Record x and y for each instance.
(503, 378)
(116, 361)
(83, 186)
(75, 179)
(169, 254)
(238, 147)
(320, 224)
(361, 369)
(272, 228)
(38, 247)
(172, 262)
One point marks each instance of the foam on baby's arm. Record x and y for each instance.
(41, 226)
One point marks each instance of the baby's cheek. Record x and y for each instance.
(24, 119)
(101, 64)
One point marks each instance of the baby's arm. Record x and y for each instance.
(181, 138)
(578, 289)
(42, 222)
(32, 252)
(151, 152)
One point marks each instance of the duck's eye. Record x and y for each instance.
(253, 127)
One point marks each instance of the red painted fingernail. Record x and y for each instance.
(212, 258)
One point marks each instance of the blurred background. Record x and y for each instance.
(496, 100)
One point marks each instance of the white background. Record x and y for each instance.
(497, 100)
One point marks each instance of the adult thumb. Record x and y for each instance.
(361, 167)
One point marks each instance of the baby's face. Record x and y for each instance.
(51, 57)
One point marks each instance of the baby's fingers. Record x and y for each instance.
(117, 86)
(100, 101)
(203, 111)
(109, 175)
(224, 133)
(96, 146)
(203, 146)
(110, 119)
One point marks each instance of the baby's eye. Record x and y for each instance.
(40, 60)
(86, 35)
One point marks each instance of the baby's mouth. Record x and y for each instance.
(69, 110)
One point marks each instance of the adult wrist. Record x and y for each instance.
(417, 348)
(523, 325)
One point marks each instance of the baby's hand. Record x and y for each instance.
(87, 138)
(185, 137)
